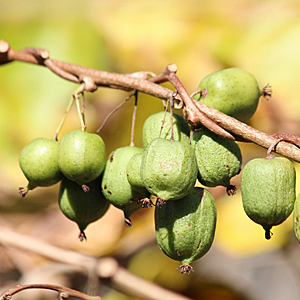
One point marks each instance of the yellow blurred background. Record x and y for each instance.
(261, 36)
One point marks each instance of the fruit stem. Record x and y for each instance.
(133, 118)
(113, 111)
(171, 117)
(164, 119)
(63, 119)
(79, 110)
(272, 147)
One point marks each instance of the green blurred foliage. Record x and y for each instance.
(129, 36)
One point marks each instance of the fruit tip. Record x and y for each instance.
(185, 269)
(82, 236)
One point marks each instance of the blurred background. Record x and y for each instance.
(261, 36)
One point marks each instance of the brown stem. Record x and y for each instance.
(137, 81)
(64, 292)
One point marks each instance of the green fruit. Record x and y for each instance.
(268, 191)
(185, 228)
(133, 172)
(169, 169)
(115, 185)
(218, 159)
(233, 91)
(80, 207)
(296, 218)
(152, 128)
(38, 161)
(81, 156)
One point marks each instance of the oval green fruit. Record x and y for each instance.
(296, 218)
(115, 185)
(152, 128)
(185, 228)
(80, 207)
(133, 172)
(38, 161)
(218, 159)
(169, 169)
(233, 91)
(81, 156)
(268, 191)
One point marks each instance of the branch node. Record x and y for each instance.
(89, 83)
(4, 46)
(107, 267)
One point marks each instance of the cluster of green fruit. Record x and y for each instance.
(166, 169)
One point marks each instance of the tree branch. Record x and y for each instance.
(64, 292)
(106, 268)
(140, 82)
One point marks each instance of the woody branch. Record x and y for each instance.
(197, 114)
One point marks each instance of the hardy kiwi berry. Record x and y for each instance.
(268, 191)
(38, 161)
(169, 169)
(81, 157)
(80, 207)
(218, 159)
(115, 185)
(185, 228)
(233, 91)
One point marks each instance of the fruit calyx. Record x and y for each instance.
(185, 269)
(231, 190)
(82, 236)
(268, 232)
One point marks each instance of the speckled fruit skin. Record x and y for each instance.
(218, 159)
(296, 218)
(81, 156)
(38, 161)
(268, 190)
(115, 185)
(80, 207)
(133, 172)
(233, 91)
(169, 169)
(185, 228)
(152, 128)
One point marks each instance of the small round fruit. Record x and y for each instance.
(233, 91)
(115, 185)
(169, 169)
(133, 172)
(218, 159)
(296, 218)
(81, 156)
(80, 207)
(185, 228)
(268, 191)
(38, 161)
(154, 127)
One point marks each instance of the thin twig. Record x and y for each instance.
(64, 292)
